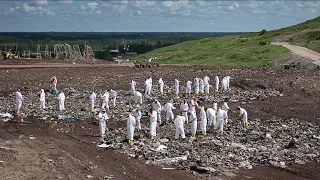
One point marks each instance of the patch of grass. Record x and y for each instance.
(252, 49)
(229, 50)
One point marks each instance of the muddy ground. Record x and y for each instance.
(73, 155)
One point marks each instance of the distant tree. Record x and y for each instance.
(105, 55)
(263, 31)
(263, 43)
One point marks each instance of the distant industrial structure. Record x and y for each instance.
(60, 51)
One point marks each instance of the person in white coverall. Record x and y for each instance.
(148, 88)
(42, 99)
(137, 115)
(150, 85)
(188, 88)
(113, 97)
(211, 115)
(217, 83)
(168, 108)
(153, 124)
(133, 86)
(131, 123)
(244, 116)
(201, 87)
(203, 119)
(206, 80)
(92, 98)
(220, 120)
(18, 100)
(193, 105)
(224, 84)
(103, 118)
(137, 97)
(176, 86)
(215, 106)
(105, 100)
(193, 123)
(196, 86)
(179, 122)
(228, 82)
(157, 107)
(161, 84)
(61, 98)
(225, 107)
(184, 107)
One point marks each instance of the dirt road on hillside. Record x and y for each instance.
(301, 51)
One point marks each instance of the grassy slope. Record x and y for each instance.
(230, 50)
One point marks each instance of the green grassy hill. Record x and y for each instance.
(250, 49)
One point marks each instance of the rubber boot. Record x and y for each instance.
(204, 133)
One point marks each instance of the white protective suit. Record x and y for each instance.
(188, 88)
(92, 98)
(105, 100)
(228, 82)
(179, 122)
(137, 97)
(225, 107)
(18, 100)
(133, 86)
(157, 107)
(244, 114)
(153, 123)
(131, 123)
(206, 80)
(194, 123)
(42, 99)
(201, 87)
(149, 85)
(193, 106)
(148, 88)
(103, 118)
(184, 109)
(224, 84)
(220, 120)
(137, 115)
(196, 85)
(176, 86)
(211, 115)
(113, 97)
(61, 98)
(168, 108)
(216, 79)
(203, 123)
(161, 84)
(215, 106)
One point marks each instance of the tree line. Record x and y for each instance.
(101, 43)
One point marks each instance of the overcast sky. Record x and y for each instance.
(153, 16)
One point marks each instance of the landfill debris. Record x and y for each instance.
(89, 176)
(109, 177)
(168, 168)
(263, 142)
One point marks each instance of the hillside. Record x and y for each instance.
(252, 49)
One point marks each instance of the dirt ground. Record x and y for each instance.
(31, 150)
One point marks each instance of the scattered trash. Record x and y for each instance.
(201, 169)
(109, 177)
(103, 145)
(168, 168)
(89, 176)
(31, 137)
